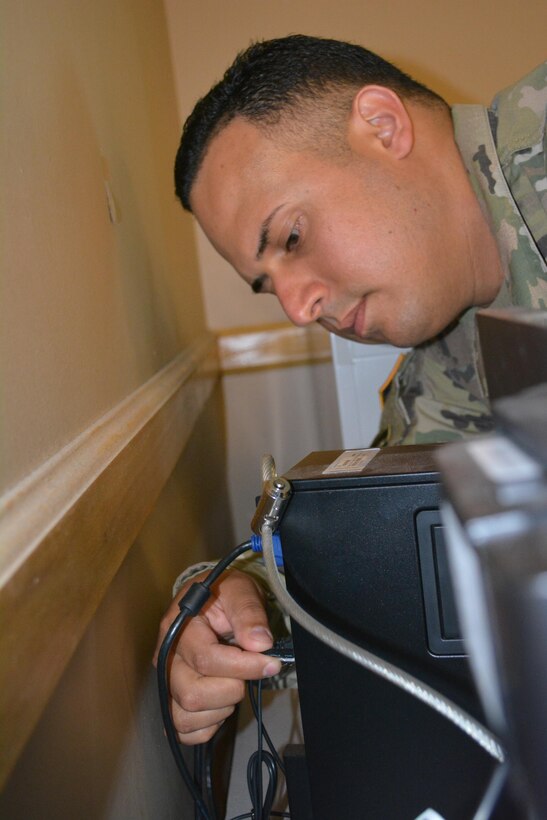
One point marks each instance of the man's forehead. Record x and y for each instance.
(239, 148)
(245, 175)
(240, 169)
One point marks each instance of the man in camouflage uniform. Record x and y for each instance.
(424, 215)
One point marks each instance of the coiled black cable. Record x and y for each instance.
(257, 711)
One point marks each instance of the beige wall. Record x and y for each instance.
(465, 49)
(91, 309)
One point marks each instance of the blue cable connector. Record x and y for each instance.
(256, 544)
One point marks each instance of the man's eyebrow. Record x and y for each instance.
(264, 236)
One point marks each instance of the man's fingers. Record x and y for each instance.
(200, 736)
(202, 652)
(188, 723)
(207, 676)
(243, 603)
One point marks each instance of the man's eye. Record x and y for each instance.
(292, 240)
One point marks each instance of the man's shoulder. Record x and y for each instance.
(520, 111)
(529, 92)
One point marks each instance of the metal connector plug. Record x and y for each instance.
(271, 506)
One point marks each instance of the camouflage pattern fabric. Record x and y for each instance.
(438, 393)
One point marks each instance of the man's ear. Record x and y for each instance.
(380, 120)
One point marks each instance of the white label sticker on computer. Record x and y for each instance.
(502, 461)
(351, 461)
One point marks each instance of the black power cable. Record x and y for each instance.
(190, 604)
(170, 730)
(198, 768)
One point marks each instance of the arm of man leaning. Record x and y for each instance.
(220, 649)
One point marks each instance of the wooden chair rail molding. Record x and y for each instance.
(65, 530)
(268, 346)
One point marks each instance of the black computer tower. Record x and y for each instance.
(364, 553)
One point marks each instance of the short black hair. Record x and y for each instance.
(271, 78)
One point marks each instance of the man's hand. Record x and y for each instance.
(207, 676)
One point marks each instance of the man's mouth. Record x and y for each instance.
(359, 320)
(352, 326)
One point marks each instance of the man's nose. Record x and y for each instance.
(303, 301)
